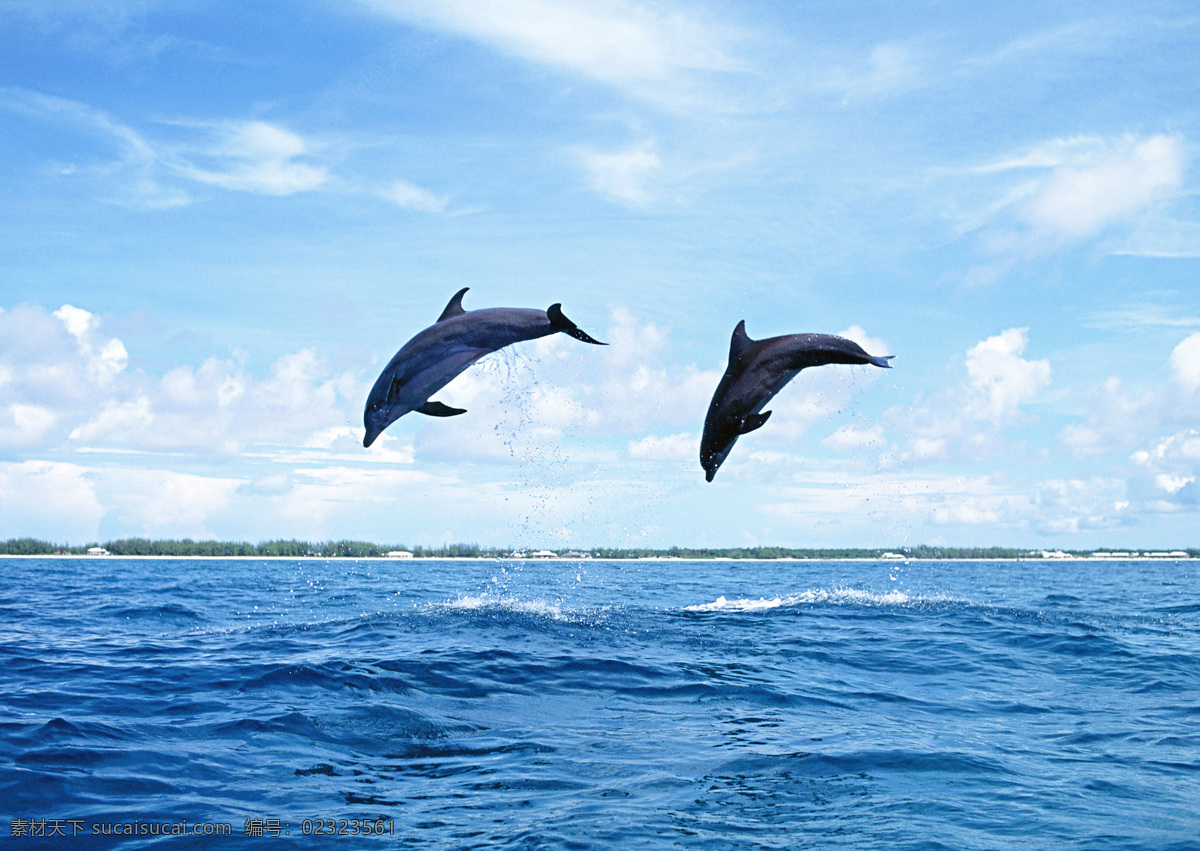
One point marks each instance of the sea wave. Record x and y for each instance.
(550, 610)
(832, 596)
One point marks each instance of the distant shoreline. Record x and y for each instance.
(330, 549)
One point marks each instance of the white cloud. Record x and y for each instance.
(246, 156)
(1064, 191)
(25, 425)
(890, 67)
(1078, 199)
(48, 500)
(643, 49)
(1000, 379)
(622, 176)
(674, 447)
(174, 504)
(854, 438)
(251, 156)
(1163, 478)
(1185, 362)
(1117, 419)
(67, 381)
(965, 419)
(1073, 505)
(555, 427)
(413, 197)
(105, 358)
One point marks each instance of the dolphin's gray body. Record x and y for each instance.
(758, 369)
(432, 359)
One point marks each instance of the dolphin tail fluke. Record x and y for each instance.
(561, 323)
(437, 409)
(881, 361)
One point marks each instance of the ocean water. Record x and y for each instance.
(591, 704)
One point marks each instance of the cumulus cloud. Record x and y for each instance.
(166, 503)
(1164, 475)
(52, 368)
(1117, 418)
(1150, 429)
(854, 437)
(965, 420)
(51, 500)
(1072, 505)
(673, 447)
(1000, 380)
(68, 384)
(1185, 363)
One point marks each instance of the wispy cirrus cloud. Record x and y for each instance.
(248, 156)
(623, 176)
(1064, 191)
(890, 67)
(647, 51)
(405, 194)
(144, 168)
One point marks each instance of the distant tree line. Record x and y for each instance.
(365, 549)
(817, 553)
(296, 549)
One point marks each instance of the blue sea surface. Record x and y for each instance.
(597, 704)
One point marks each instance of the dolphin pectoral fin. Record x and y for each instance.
(454, 308)
(394, 388)
(561, 323)
(753, 421)
(437, 409)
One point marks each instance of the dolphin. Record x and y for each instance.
(758, 369)
(432, 359)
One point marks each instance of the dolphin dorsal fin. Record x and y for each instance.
(454, 308)
(740, 342)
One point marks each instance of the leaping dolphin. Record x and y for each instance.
(758, 369)
(432, 359)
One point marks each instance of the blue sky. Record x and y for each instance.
(220, 220)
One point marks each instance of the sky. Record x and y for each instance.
(219, 221)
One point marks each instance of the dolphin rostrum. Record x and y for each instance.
(432, 359)
(758, 369)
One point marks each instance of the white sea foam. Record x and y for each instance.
(836, 596)
(513, 604)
